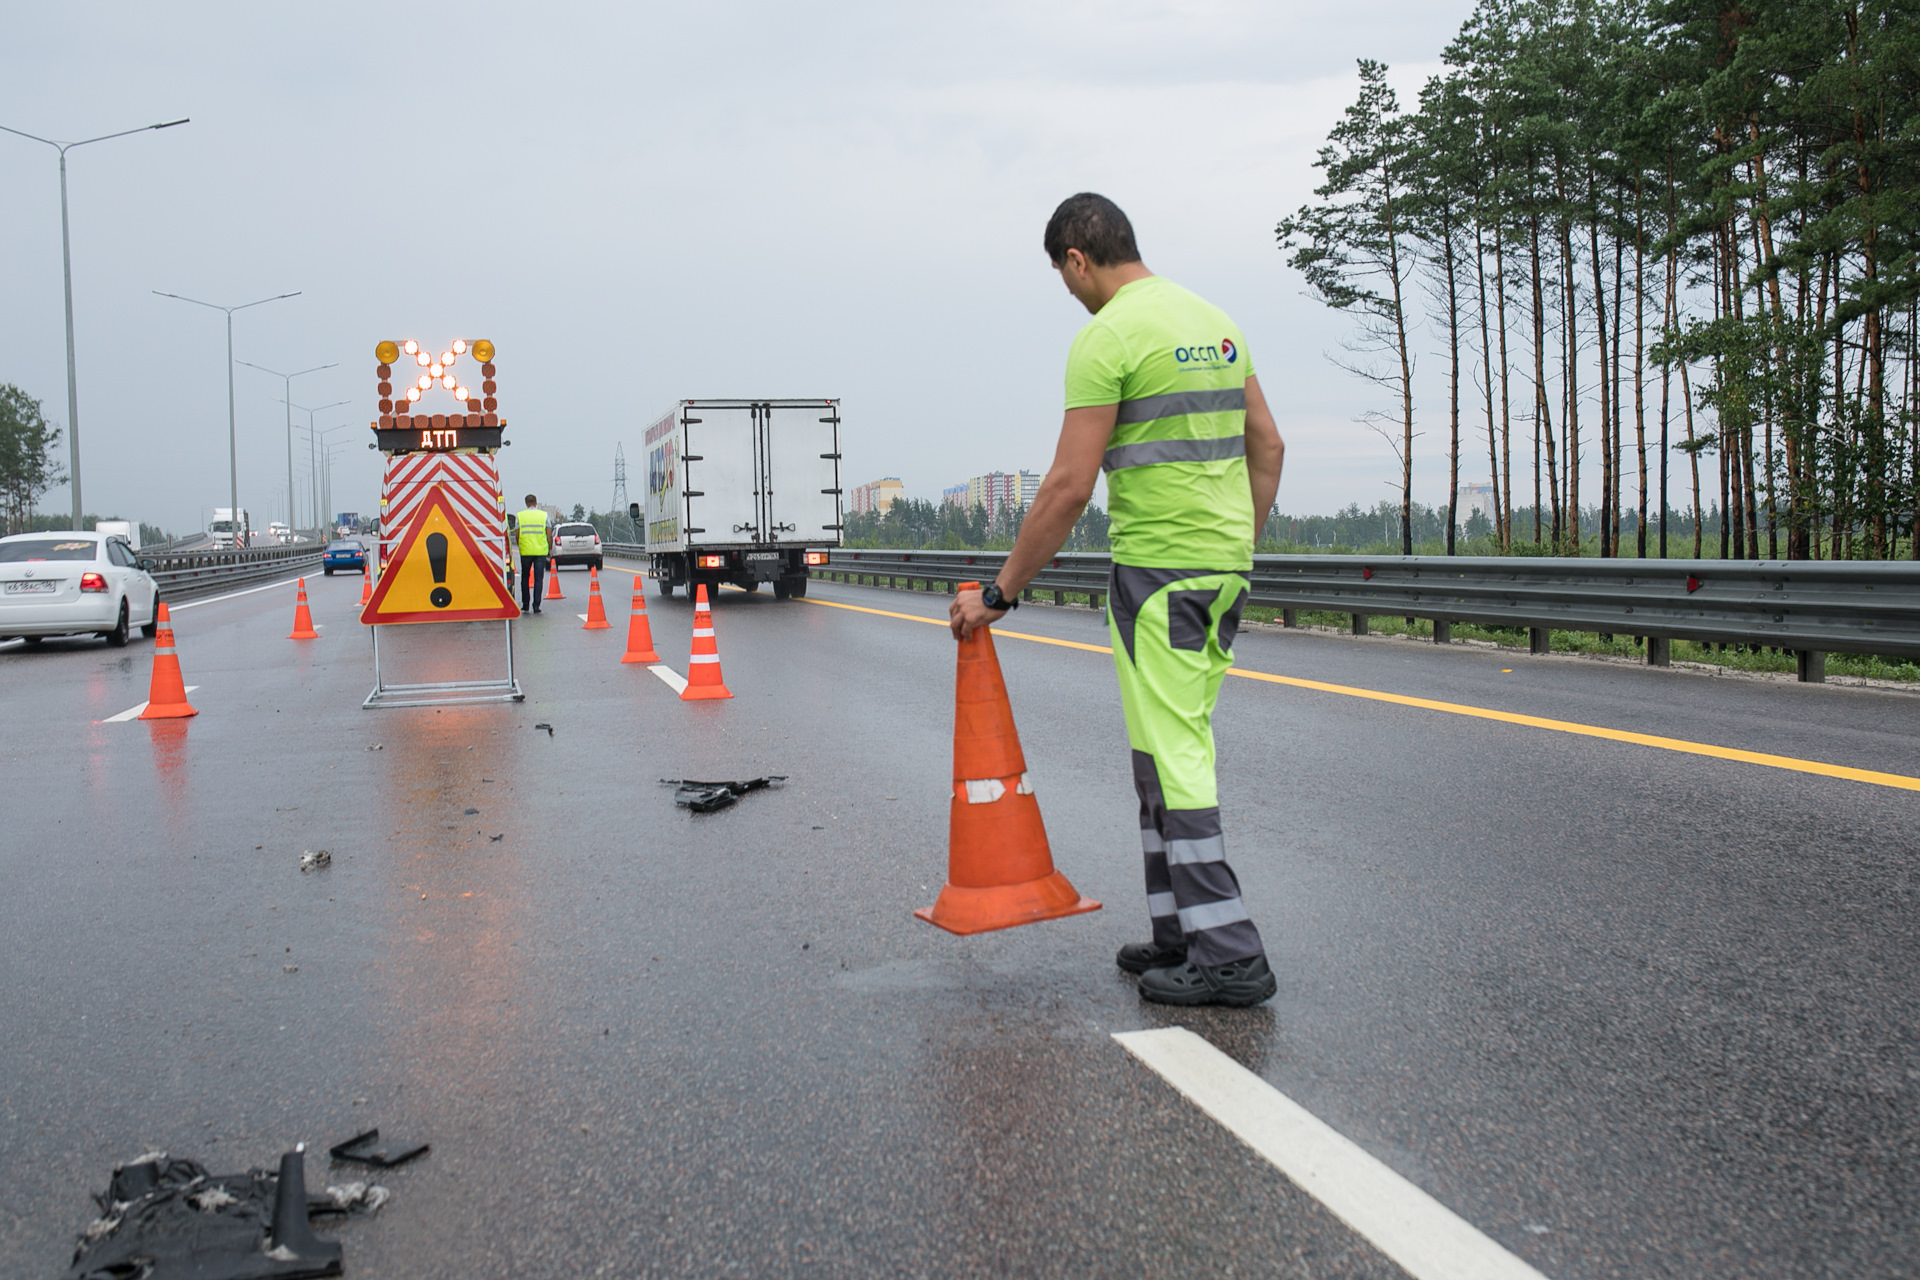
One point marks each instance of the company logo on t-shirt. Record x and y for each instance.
(1208, 356)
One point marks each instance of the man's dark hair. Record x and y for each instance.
(530, 499)
(1095, 226)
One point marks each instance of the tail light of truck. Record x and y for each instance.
(816, 557)
(713, 562)
(92, 582)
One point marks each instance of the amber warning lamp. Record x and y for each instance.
(407, 423)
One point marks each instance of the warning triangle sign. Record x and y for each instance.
(439, 573)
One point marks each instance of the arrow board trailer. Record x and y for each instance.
(742, 492)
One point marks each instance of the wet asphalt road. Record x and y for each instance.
(1629, 1012)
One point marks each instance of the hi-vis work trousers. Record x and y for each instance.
(1173, 635)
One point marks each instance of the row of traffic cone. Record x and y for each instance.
(1000, 870)
(703, 664)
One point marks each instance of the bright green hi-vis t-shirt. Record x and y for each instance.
(1176, 463)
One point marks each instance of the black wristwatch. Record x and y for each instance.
(990, 596)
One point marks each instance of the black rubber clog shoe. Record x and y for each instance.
(1138, 957)
(1236, 984)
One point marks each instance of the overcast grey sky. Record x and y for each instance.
(644, 202)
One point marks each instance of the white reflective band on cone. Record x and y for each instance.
(703, 631)
(985, 790)
(703, 657)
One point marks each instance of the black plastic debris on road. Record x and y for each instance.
(547, 727)
(705, 797)
(359, 1149)
(167, 1219)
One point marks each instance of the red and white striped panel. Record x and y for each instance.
(473, 481)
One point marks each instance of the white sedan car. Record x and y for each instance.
(64, 584)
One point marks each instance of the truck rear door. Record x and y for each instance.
(800, 452)
(720, 469)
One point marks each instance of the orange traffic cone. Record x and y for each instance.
(999, 866)
(639, 630)
(596, 612)
(167, 695)
(366, 588)
(303, 617)
(553, 581)
(703, 667)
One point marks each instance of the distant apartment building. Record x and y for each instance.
(875, 498)
(997, 489)
(1473, 498)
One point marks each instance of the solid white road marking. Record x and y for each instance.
(674, 679)
(1427, 1239)
(134, 712)
(581, 616)
(231, 595)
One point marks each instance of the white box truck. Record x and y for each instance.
(227, 532)
(743, 492)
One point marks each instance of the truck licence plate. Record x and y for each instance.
(759, 557)
(31, 588)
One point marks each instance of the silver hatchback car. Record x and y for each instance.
(72, 583)
(576, 542)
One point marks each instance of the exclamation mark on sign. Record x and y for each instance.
(437, 559)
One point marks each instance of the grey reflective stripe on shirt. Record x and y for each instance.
(1148, 452)
(1174, 403)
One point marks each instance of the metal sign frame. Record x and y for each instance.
(441, 693)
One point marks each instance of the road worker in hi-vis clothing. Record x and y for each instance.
(1161, 396)
(529, 530)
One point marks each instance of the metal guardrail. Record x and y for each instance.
(182, 574)
(624, 550)
(1811, 608)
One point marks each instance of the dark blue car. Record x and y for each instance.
(344, 554)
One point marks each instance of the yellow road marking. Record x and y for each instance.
(1873, 777)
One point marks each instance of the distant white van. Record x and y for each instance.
(128, 529)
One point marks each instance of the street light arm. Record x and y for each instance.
(68, 146)
(263, 301)
(22, 133)
(195, 301)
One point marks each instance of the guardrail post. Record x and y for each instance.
(1289, 617)
(1060, 597)
(1813, 666)
(1659, 651)
(1539, 640)
(1359, 624)
(1093, 599)
(1442, 631)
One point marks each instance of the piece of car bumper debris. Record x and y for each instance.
(705, 797)
(165, 1217)
(359, 1149)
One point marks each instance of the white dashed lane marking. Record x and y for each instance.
(133, 713)
(1427, 1239)
(674, 679)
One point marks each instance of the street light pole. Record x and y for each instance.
(313, 460)
(288, 382)
(331, 450)
(66, 272)
(233, 448)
